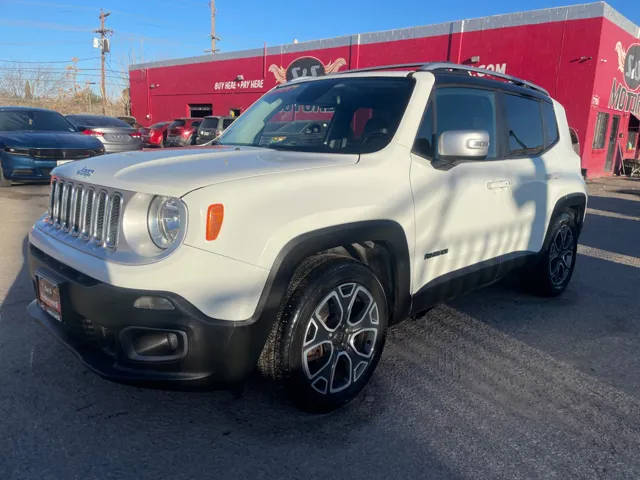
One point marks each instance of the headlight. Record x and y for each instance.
(17, 150)
(166, 220)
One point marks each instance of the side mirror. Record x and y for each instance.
(463, 145)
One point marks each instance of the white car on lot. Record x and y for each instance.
(329, 210)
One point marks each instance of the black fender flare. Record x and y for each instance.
(387, 232)
(574, 201)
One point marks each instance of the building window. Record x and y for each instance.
(199, 110)
(600, 134)
(634, 128)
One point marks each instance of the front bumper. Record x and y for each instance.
(95, 317)
(22, 168)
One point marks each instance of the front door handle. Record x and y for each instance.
(498, 184)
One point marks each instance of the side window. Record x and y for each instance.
(600, 134)
(359, 121)
(550, 124)
(423, 144)
(459, 108)
(524, 125)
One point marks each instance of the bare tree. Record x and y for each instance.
(57, 89)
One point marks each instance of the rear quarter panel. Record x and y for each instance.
(563, 164)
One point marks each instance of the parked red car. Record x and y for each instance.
(155, 135)
(182, 132)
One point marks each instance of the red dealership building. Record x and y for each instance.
(587, 56)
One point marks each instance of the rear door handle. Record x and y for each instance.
(498, 184)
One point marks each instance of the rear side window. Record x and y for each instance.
(524, 125)
(550, 124)
(226, 122)
(466, 109)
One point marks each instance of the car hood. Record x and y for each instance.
(180, 171)
(48, 140)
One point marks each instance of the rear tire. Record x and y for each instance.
(329, 336)
(554, 265)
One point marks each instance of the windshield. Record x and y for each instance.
(340, 115)
(40, 120)
(209, 122)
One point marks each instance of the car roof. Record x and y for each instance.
(27, 109)
(473, 75)
(92, 115)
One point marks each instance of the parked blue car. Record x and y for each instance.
(33, 141)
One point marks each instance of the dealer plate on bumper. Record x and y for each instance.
(49, 297)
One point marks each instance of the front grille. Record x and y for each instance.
(87, 212)
(63, 153)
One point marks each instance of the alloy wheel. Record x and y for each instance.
(340, 338)
(561, 253)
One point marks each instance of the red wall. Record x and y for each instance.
(607, 71)
(562, 56)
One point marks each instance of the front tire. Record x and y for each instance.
(3, 181)
(554, 266)
(329, 336)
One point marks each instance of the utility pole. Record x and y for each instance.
(104, 48)
(212, 6)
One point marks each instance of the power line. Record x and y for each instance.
(70, 72)
(67, 7)
(51, 61)
(63, 70)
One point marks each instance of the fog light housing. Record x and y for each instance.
(144, 344)
(153, 303)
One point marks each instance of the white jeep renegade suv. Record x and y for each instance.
(330, 209)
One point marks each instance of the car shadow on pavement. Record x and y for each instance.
(61, 419)
(495, 384)
(615, 204)
(459, 393)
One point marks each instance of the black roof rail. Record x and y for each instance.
(439, 66)
(452, 67)
(410, 66)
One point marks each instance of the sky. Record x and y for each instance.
(52, 32)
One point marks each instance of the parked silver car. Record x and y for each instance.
(115, 134)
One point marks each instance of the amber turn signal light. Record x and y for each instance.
(215, 215)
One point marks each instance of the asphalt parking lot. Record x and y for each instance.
(499, 384)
